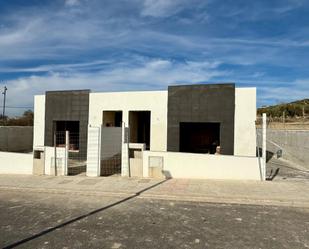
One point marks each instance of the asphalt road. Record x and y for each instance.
(40, 220)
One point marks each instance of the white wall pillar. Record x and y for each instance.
(125, 150)
(264, 148)
(94, 151)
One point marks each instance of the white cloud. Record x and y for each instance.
(295, 90)
(72, 2)
(162, 8)
(147, 74)
(94, 65)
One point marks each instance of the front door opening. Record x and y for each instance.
(112, 118)
(111, 143)
(73, 128)
(76, 156)
(139, 123)
(199, 137)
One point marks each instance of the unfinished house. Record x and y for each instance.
(187, 131)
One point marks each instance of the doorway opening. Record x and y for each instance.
(112, 118)
(73, 128)
(111, 143)
(139, 123)
(76, 156)
(199, 137)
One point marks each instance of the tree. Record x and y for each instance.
(25, 120)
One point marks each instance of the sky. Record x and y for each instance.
(125, 45)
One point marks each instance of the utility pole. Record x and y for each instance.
(4, 99)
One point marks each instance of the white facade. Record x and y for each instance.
(245, 115)
(153, 101)
(39, 121)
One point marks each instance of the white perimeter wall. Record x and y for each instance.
(245, 115)
(205, 166)
(16, 163)
(49, 162)
(154, 101)
(39, 121)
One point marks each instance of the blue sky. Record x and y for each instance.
(115, 45)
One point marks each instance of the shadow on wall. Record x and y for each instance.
(272, 175)
(291, 145)
(269, 154)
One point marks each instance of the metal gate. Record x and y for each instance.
(77, 154)
(111, 145)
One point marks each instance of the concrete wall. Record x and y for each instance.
(16, 138)
(16, 163)
(293, 143)
(39, 121)
(245, 115)
(154, 101)
(111, 141)
(204, 166)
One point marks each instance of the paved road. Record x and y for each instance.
(280, 193)
(53, 220)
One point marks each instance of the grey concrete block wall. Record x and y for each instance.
(202, 103)
(16, 138)
(111, 141)
(294, 144)
(67, 106)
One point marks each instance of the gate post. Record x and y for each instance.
(125, 171)
(66, 156)
(264, 148)
(94, 151)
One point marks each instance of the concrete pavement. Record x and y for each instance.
(279, 193)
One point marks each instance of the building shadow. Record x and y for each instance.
(167, 174)
(269, 154)
(272, 174)
(49, 230)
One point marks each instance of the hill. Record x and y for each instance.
(299, 108)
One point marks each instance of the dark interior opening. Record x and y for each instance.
(199, 137)
(112, 118)
(73, 127)
(139, 123)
